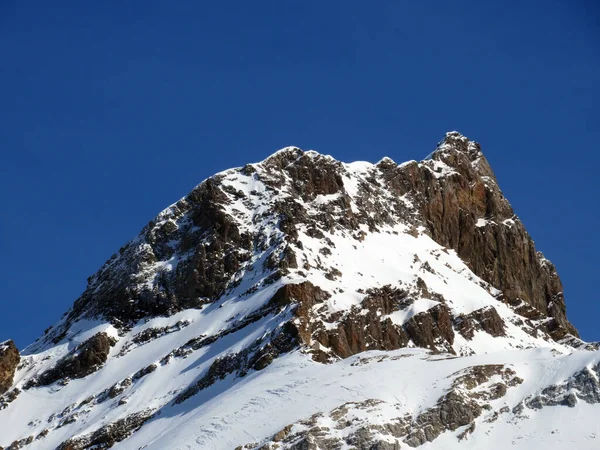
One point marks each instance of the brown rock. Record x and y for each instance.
(363, 329)
(501, 252)
(486, 319)
(9, 360)
(432, 329)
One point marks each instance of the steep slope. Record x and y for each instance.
(303, 278)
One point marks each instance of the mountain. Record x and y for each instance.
(304, 303)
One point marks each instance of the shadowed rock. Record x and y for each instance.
(87, 358)
(9, 360)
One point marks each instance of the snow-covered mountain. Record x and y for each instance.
(304, 303)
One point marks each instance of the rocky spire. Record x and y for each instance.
(463, 208)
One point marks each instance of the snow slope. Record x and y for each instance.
(407, 381)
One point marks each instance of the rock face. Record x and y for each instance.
(9, 360)
(366, 326)
(363, 327)
(464, 209)
(486, 319)
(133, 284)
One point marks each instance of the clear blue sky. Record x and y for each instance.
(111, 112)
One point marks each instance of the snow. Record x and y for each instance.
(422, 305)
(407, 163)
(481, 222)
(439, 169)
(324, 199)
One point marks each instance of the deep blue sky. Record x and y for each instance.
(111, 112)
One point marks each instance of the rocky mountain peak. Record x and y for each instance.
(201, 247)
(454, 140)
(302, 258)
(281, 158)
(465, 155)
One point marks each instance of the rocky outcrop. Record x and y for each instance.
(87, 358)
(9, 397)
(313, 174)
(432, 329)
(362, 328)
(9, 360)
(256, 356)
(357, 332)
(150, 334)
(109, 435)
(139, 281)
(486, 319)
(366, 326)
(583, 385)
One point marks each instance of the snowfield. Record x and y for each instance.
(295, 387)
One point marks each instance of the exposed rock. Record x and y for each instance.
(305, 295)
(151, 334)
(143, 372)
(432, 329)
(256, 356)
(452, 411)
(9, 397)
(87, 358)
(18, 444)
(364, 327)
(118, 388)
(486, 319)
(584, 385)
(572, 341)
(463, 403)
(214, 247)
(108, 435)
(42, 434)
(9, 360)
